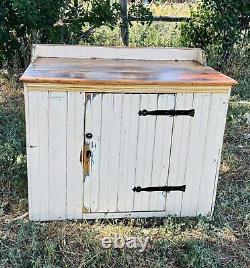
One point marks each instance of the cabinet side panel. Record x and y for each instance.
(75, 132)
(212, 153)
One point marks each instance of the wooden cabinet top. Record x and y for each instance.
(179, 70)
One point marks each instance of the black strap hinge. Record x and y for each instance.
(160, 188)
(167, 112)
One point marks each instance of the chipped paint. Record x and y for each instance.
(85, 210)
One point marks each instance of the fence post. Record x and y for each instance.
(125, 22)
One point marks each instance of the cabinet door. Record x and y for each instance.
(124, 150)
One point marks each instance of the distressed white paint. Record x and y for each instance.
(116, 124)
(127, 156)
(57, 154)
(33, 156)
(194, 156)
(162, 146)
(43, 141)
(105, 148)
(75, 124)
(124, 157)
(145, 150)
(179, 150)
(29, 163)
(92, 184)
(54, 139)
(127, 151)
(212, 154)
(132, 53)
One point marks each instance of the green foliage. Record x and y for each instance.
(196, 254)
(221, 28)
(138, 10)
(12, 134)
(92, 14)
(140, 35)
(23, 23)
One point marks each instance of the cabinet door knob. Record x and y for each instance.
(89, 135)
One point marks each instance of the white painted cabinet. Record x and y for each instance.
(111, 148)
(126, 150)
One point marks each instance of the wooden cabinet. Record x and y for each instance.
(91, 144)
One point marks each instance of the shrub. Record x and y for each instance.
(12, 139)
(23, 23)
(221, 28)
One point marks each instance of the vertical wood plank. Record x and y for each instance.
(195, 153)
(75, 132)
(124, 152)
(57, 154)
(96, 115)
(161, 155)
(212, 152)
(127, 157)
(106, 143)
(27, 128)
(179, 151)
(145, 151)
(114, 163)
(132, 149)
(33, 155)
(88, 129)
(43, 142)
(78, 143)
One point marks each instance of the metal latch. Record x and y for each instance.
(85, 158)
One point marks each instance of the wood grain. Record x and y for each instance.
(92, 72)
